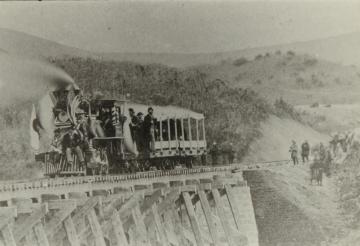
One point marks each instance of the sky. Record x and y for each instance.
(180, 27)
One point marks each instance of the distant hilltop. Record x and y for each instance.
(343, 49)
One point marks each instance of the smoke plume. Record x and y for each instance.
(24, 80)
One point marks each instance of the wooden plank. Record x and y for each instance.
(124, 212)
(208, 216)
(172, 225)
(111, 207)
(156, 195)
(61, 204)
(144, 208)
(163, 206)
(188, 235)
(96, 228)
(30, 239)
(140, 225)
(221, 212)
(5, 220)
(88, 206)
(29, 208)
(118, 230)
(40, 234)
(233, 205)
(159, 226)
(20, 230)
(192, 217)
(8, 236)
(71, 232)
(9, 211)
(56, 221)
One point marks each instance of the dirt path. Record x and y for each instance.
(310, 212)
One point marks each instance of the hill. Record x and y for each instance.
(298, 78)
(23, 44)
(340, 49)
(343, 49)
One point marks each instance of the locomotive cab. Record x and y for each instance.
(109, 132)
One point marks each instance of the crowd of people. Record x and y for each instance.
(143, 129)
(321, 162)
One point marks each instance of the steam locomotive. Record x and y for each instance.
(106, 142)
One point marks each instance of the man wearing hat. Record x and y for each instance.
(149, 129)
(139, 133)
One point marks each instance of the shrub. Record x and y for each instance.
(310, 62)
(290, 53)
(240, 61)
(284, 109)
(258, 57)
(315, 105)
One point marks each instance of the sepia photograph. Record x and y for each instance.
(180, 123)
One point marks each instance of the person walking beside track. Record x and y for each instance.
(294, 152)
(305, 151)
(316, 170)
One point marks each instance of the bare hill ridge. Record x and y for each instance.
(340, 49)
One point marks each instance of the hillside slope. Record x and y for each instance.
(332, 118)
(299, 79)
(276, 138)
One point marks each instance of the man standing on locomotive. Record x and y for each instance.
(149, 129)
(133, 123)
(139, 133)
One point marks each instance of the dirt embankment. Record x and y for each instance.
(277, 135)
(290, 211)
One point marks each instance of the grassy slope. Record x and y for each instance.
(299, 79)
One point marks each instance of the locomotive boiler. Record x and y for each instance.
(100, 136)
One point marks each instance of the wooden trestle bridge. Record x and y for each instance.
(204, 206)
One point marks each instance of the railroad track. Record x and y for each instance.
(63, 185)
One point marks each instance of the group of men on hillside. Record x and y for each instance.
(321, 162)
